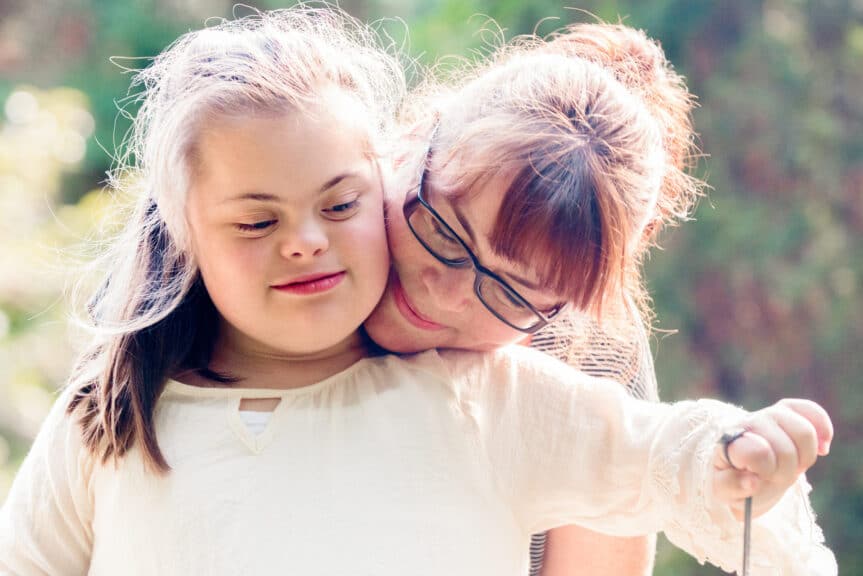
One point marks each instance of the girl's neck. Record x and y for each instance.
(256, 366)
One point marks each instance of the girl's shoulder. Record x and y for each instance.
(507, 372)
(453, 364)
(61, 422)
(58, 464)
(510, 362)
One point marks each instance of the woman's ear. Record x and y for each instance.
(413, 139)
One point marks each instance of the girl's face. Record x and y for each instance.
(286, 219)
(428, 304)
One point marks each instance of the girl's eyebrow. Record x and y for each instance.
(259, 196)
(267, 197)
(332, 182)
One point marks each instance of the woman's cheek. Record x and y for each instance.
(399, 236)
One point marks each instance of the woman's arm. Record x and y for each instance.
(572, 550)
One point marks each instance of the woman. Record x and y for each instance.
(538, 195)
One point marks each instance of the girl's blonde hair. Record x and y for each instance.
(592, 127)
(152, 317)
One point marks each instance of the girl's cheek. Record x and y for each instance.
(248, 255)
(367, 233)
(393, 183)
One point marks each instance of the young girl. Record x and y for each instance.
(256, 251)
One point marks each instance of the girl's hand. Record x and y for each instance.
(778, 445)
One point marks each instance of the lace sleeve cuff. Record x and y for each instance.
(786, 541)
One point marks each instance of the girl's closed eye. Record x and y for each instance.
(342, 210)
(257, 227)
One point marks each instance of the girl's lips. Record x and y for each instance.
(408, 311)
(312, 284)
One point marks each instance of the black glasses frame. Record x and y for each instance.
(414, 202)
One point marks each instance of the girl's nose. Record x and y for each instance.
(305, 240)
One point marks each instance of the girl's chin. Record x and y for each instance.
(400, 339)
(395, 342)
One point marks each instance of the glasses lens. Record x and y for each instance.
(436, 237)
(506, 304)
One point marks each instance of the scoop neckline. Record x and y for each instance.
(227, 390)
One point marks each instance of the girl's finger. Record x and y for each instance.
(753, 452)
(733, 486)
(801, 432)
(817, 416)
(767, 450)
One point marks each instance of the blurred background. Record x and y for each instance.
(760, 295)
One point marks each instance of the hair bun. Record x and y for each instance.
(635, 59)
(639, 63)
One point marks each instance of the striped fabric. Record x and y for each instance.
(583, 344)
(537, 552)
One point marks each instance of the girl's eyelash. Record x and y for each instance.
(336, 210)
(256, 226)
(342, 210)
(342, 207)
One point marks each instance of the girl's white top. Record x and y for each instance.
(439, 463)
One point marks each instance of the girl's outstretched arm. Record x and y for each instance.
(764, 460)
(564, 448)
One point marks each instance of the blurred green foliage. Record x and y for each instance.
(762, 289)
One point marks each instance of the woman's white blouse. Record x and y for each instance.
(443, 463)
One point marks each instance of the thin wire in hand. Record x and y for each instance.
(726, 440)
(747, 534)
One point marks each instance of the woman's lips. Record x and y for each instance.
(312, 284)
(408, 311)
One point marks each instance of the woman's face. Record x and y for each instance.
(428, 304)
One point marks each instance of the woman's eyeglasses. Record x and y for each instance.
(442, 242)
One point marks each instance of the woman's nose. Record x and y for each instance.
(450, 289)
(304, 240)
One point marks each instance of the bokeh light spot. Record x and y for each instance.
(69, 147)
(21, 107)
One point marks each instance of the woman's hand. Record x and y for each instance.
(778, 445)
